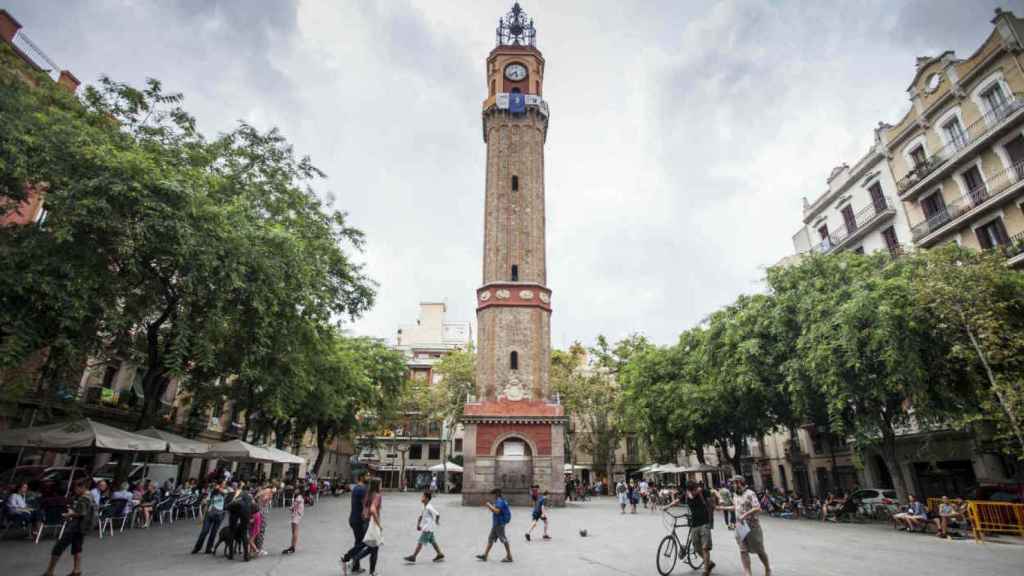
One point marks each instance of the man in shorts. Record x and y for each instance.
(501, 515)
(80, 517)
(748, 528)
(701, 510)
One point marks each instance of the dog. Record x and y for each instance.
(232, 540)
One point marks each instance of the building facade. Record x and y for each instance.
(404, 454)
(950, 170)
(514, 430)
(958, 153)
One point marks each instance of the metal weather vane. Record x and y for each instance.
(516, 28)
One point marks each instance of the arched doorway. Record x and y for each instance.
(513, 465)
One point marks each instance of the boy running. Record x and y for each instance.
(500, 516)
(540, 512)
(429, 519)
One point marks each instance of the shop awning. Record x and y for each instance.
(452, 467)
(178, 444)
(84, 433)
(239, 451)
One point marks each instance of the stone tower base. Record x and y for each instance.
(486, 465)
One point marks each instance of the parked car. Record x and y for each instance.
(46, 480)
(873, 500)
(27, 473)
(1012, 492)
(139, 471)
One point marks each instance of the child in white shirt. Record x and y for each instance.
(428, 520)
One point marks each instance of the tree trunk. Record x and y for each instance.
(701, 459)
(321, 442)
(154, 384)
(888, 450)
(1014, 424)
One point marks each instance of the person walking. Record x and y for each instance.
(501, 515)
(748, 526)
(356, 522)
(701, 512)
(644, 491)
(80, 517)
(212, 520)
(372, 538)
(239, 515)
(620, 492)
(425, 525)
(540, 512)
(298, 507)
(726, 505)
(633, 496)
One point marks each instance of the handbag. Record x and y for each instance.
(374, 535)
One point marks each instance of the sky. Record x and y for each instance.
(682, 139)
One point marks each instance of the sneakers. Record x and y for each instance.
(410, 559)
(481, 557)
(439, 558)
(527, 536)
(546, 537)
(506, 559)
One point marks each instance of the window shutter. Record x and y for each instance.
(983, 239)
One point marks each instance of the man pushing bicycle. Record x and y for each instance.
(700, 520)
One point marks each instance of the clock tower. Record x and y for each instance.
(514, 427)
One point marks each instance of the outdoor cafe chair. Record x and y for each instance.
(165, 508)
(114, 510)
(53, 517)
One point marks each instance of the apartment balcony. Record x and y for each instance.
(999, 187)
(1014, 250)
(978, 134)
(863, 222)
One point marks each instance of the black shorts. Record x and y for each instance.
(73, 538)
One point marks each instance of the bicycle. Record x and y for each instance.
(672, 549)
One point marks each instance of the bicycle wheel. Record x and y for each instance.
(693, 557)
(668, 553)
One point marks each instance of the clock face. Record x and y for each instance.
(515, 72)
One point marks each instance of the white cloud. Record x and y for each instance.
(682, 136)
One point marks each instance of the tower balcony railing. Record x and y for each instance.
(975, 133)
(977, 199)
(1014, 248)
(23, 43)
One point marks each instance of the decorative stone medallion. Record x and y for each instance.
(544, 297)
(485, 295)
(502, 294)
(526, 294)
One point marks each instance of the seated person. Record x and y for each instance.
(148, 502)
(915, 515)
(124, 494)
(19, 510)
(100, 493)
(948, 512)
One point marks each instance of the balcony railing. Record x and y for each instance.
(996, 184)
(1015, 247)
(22, 42)
(975, 132)
(860, 220)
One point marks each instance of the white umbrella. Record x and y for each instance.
(84, 433)
(238, 451)
(452, 467)
(284, 457)
(178, 444)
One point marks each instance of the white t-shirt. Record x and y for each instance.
(643, 486)
(428, 518)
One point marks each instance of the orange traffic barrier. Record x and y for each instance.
(995, 517)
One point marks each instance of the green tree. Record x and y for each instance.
(979, 306)
(445, 399)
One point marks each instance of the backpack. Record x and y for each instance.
(88, 517)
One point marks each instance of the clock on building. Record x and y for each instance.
(515, 72)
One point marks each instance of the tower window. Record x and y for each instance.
(515, 273)
(513, 360)
(515, 183)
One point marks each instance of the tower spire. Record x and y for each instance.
(516, 28)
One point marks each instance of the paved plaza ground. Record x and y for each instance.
(615, 545)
